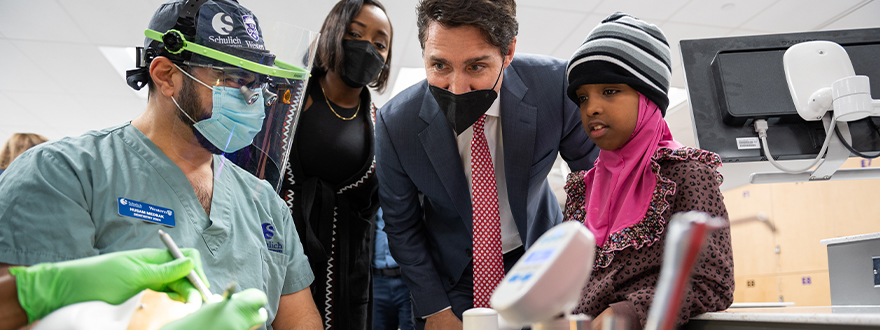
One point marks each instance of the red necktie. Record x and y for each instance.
(488, 260)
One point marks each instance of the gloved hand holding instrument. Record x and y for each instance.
(112, 278)
(115, 277)
(243, 310)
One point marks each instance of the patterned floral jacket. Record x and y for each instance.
(627, 266)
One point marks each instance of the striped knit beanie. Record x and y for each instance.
(623, 50)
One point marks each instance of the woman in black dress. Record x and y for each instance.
(330, 184)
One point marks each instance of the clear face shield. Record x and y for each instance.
(257, 97)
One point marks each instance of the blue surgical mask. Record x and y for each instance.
(233, 123)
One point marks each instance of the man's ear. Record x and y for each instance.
(510, 50)
(163, 72)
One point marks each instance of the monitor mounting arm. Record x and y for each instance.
(821, 79)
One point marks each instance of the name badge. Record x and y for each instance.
(146, 212)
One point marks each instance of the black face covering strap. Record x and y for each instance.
(499, 75)
(463, 110)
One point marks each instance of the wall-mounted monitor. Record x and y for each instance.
(733, 81)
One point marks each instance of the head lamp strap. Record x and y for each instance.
(140, 76)
(186, 20)
(281, 69)
(175, 41)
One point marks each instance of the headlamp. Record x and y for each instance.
(281, 69)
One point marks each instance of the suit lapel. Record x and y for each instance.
(440, 145)
(518, 129)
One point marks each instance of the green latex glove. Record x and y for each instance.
(112, 278)
(244, 310)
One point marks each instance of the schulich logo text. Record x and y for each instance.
(274, 246)
(225, 40)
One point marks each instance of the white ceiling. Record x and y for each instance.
(56, 82)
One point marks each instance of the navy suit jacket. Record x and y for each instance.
(423, 190)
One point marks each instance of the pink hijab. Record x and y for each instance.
(620, 186)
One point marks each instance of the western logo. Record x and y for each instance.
(254, 45)
(222, 23)
(251, 26)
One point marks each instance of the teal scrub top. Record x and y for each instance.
(61, 201)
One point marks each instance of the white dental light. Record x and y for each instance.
(547, 280)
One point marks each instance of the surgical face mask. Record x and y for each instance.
(363, 63)
(234, 123)
(463, 110)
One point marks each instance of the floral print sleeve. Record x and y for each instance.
(626, 270)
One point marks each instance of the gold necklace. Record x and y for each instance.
(334, 111)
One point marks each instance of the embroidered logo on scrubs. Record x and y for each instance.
(268, 230)
(269, 233)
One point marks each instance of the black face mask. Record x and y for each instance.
(362, 63)
(463, 110)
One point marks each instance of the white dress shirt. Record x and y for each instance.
(510, 239)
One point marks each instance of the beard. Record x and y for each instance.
(191, 105)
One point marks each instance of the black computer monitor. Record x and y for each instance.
(733, 81)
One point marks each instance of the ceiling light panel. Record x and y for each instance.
(535, 26)
(650, 11)
(711, 13)
(20, 72)
(803, 18)
(118, 23)
(38, 20)
(79, 68)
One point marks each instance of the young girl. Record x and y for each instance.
(619, 77)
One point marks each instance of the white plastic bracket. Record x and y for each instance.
(810, 70)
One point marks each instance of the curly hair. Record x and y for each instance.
(495, 18)
(330, 55)
(16, 145)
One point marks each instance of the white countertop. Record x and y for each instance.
(761, 304)
(850, 315)
(850, 239)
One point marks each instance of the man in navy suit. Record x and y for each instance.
(423, 150)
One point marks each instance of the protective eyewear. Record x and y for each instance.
(230, 76)
(250, 84)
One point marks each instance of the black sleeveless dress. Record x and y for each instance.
(331, 189)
